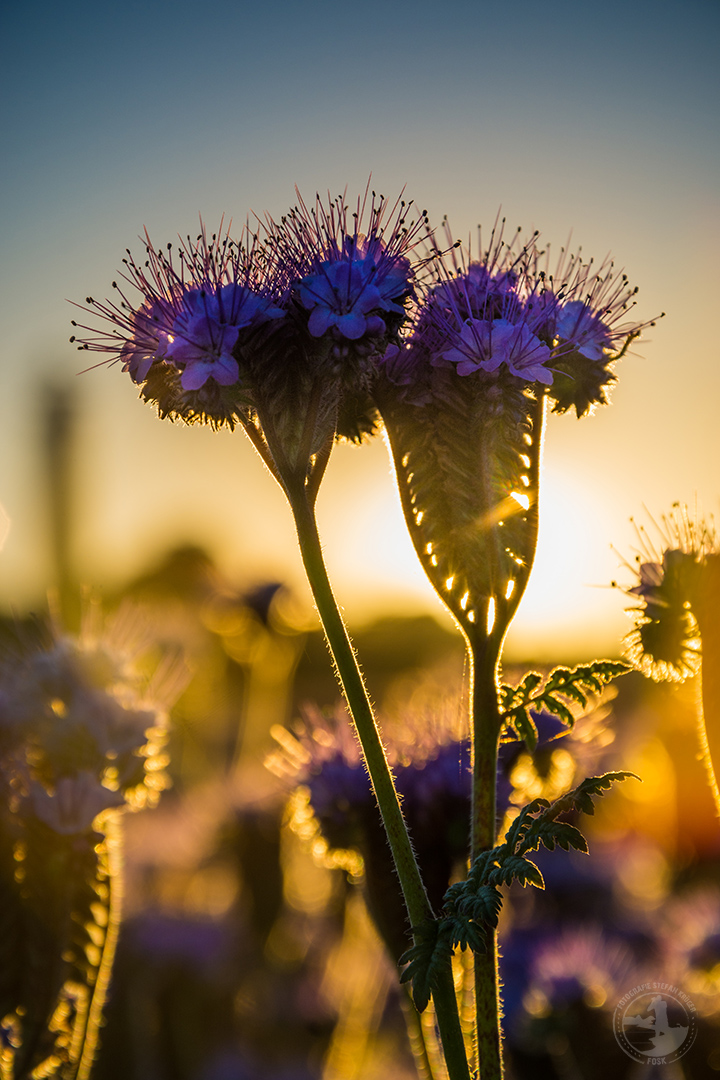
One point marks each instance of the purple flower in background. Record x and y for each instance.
(583, 963)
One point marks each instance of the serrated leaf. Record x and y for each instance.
(466, 934)
(573, 690)
(575, 684)
(482, 906)
(518, 868)
(563, 834)
(526, 728)
(528, 684)
(426, 959)
(552, 704)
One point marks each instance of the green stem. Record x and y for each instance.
(706, 611)
(484, 652)
(486, 726)
(353, 686)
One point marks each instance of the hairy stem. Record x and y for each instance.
(353, 686)
(486, 725)
(707, 612)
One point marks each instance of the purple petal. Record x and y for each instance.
(196, 375)
(351, 326)
(321, 319)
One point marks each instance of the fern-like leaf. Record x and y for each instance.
(473, 906)
(427, 958)
(562, 688)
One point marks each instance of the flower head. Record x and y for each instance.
(671, 575)
(463, 402)
(476, 315)
(179, 342)
(509, 313)
(81, 731)
(277, 332)
(349, 274)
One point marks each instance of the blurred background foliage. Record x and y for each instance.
(246, 949)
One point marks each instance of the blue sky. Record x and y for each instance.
(597, 118)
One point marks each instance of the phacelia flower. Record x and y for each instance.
(206, 331)
(485, 344)
(677, 625)
(80, 730)
(584, 311)
(431, 761)
(580, 964)
(566, 320)
(349, 294)
(672, 575)
(463, 400)
(350, 276)
(278, 331)
(180, 342)
(476, 315)
(577, 323)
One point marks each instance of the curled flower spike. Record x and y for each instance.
(672, 575)
(677, 622)
(463, 401)
(276, 332)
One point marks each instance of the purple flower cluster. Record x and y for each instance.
(348, 294)
(432, 766)
(80, 732)
(219, 318)
(191, 311)
(507, 316)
